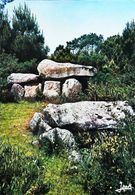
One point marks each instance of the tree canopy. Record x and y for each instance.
(88, 42)
(22, 43)
(84, 50)
(116, 52)
(28, 40)
(23, 38)
(5, 33)
(3, 3)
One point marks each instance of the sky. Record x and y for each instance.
(64, 20)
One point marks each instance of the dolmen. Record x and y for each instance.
(53, 80)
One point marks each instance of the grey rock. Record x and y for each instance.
(36, 143)
(43, 127)
(75, 157)
(38, 125)
(71, 88)
(31, 92)
(17, 91)
(35, 121)
(86, 115)
(56, 70)
(64, 136)
(51, 89)
(21, 78)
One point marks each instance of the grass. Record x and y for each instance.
(14, 122)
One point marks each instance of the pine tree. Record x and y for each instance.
(3, 3)
(5, 33)
(28, 40)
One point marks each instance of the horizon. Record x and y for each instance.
(64, 20)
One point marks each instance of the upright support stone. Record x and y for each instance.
(17, 91)
(31, 92)
(51, 89)
(71, 88)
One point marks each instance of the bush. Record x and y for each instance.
(27, 67)
(110, 163)
(109, 92)
(111, 86)
(96, 60)
(20, 174)
(8, 64)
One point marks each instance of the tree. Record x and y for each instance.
(121, 49)
(3, 3)
(128, 39)
(28, 41)
(112, 49)
(62, 54)
(83, 50)
(95, 59)
(89, 42)
(5, 33)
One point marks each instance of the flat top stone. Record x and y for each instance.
(21, 77)
(87, 115)
(51, 69)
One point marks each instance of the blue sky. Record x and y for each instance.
(64, 20)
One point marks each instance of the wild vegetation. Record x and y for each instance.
(109, 162)
(18, 155)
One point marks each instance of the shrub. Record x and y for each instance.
(20, 174)
(96, 59)
(8, 64)
(109, 92)
(110, 162)
(111, 86)
(27, 66)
